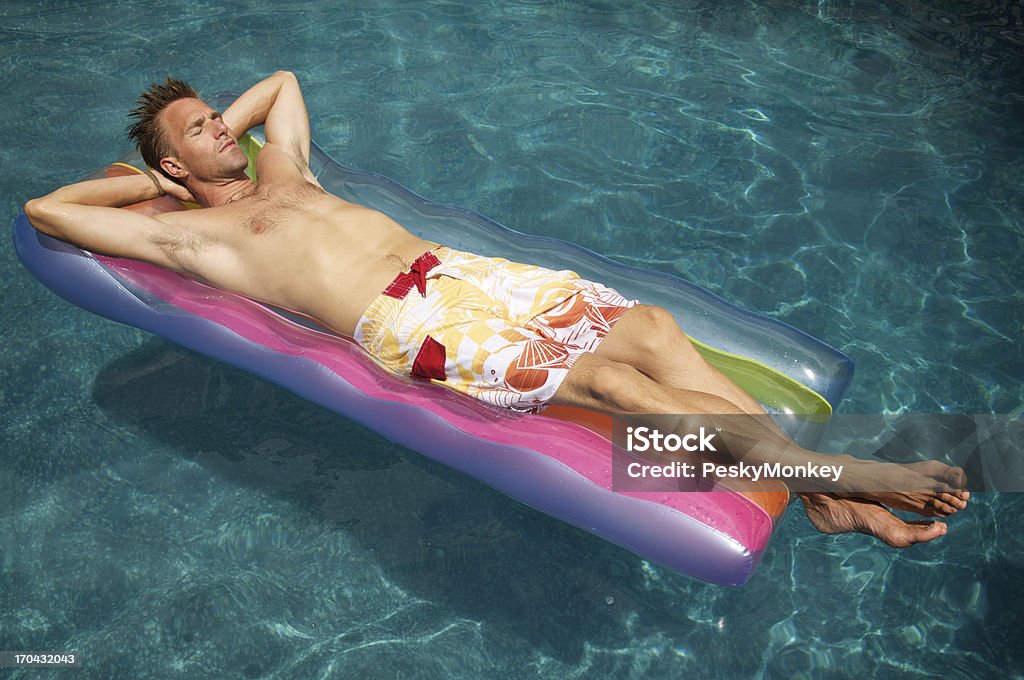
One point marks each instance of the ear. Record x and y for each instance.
(174, 168)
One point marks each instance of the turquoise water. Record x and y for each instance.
(849, 168)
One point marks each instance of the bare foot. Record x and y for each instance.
(832, 514)
(929, 488)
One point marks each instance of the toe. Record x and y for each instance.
(953, 501)
(943, 505)
(921, 533)
(956, 478)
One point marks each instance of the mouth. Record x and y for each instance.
(228, 144)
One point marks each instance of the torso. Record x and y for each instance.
(293, 245)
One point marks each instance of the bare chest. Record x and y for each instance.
(274, 211)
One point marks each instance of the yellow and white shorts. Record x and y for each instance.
(503, 332)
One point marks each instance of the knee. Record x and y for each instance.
(661, 331)
(655, 317)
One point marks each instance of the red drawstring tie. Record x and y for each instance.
(430, 360)
(417, 275)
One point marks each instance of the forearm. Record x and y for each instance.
(111, 192)
(48, 213)
(254, 106)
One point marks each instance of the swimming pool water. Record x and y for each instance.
(850, 168)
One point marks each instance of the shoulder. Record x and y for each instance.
(275, 161)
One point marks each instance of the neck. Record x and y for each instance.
(213, 194)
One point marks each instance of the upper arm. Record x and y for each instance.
(277, 103)
(110, 231)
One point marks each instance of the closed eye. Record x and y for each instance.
(197, 125)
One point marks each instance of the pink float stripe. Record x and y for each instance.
(572, 445)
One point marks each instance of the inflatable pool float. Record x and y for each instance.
(559, 462)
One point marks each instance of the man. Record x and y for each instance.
(422, 309)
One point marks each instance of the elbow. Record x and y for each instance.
(288, 75)
(34, 209)
(37, 211)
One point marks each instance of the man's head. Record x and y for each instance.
(181, 136)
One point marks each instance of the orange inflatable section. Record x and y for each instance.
(771, 495)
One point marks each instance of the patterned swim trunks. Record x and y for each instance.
(503, 332)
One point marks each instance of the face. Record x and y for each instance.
(205, 149)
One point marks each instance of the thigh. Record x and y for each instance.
(503, 364)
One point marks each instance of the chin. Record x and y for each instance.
(240, 162)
